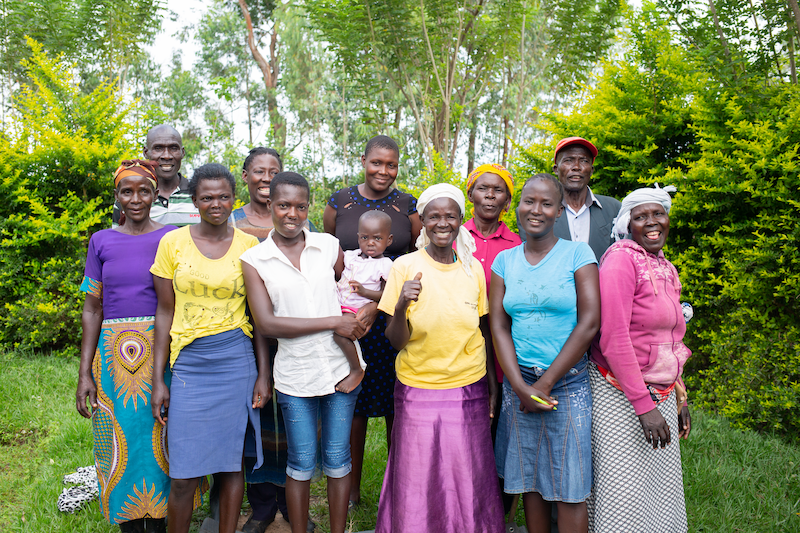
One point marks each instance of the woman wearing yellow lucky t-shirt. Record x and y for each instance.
(216, 386)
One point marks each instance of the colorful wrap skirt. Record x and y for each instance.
(636, 489)
(129, 444)
(441, 474)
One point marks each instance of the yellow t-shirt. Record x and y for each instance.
(445, 349)
(209, 293)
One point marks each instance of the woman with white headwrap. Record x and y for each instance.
(638, 361)
(440, 475)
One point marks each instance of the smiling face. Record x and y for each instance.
(380, 169)
(214, 199)
(650, 226)
(259, 175)
(289, 206)
(441, 221)
(489, 194)
(574, 167)
(135, 195)
(539, 207)
(164, 146)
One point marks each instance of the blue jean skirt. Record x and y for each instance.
(211, 404)
(549, 453)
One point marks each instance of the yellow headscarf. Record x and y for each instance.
(492, 168)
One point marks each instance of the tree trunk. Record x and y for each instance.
(721, 34)
(505, 140)
(473, 131)
(796, 13)
(269, 70)
(344, 139)
(249, 109)
(792, 66)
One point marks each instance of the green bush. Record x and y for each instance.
(737, 226)
(56, 160)
(732, 151)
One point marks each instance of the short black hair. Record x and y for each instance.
(382, 141)
(380, 216)
(211, 171)
(548, 177)
(261, 150)
(288, 178)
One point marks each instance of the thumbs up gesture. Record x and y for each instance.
(411, 290)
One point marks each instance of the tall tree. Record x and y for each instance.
(226, 62)
(262, 25)
(104, 38)
(442, 56)
(437, 54)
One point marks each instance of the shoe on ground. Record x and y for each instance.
(257, 526)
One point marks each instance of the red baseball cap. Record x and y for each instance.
(563, 143)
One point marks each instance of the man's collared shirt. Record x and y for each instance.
(579, 222)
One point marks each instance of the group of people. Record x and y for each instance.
(503, 364)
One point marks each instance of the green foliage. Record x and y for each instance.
(108, 36)
(731, 147)
(737, 227)
(637, 114)
(56, 162)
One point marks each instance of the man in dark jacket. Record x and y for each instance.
(587, 217)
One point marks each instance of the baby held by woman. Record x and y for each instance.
(362, 281)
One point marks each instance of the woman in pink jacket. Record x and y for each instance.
(638, 359)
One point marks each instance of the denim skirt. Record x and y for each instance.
(549, 453)
(211, 406)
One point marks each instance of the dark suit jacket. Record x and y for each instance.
(600, 223)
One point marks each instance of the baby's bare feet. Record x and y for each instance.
(351, 381)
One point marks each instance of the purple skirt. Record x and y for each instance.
(441, 474)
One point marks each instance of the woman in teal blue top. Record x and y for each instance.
(545, 309)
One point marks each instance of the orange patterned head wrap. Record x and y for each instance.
(491, 168)
(136, 167)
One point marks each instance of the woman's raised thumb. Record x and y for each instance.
(418, 276)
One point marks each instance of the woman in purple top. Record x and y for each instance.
(116, 358)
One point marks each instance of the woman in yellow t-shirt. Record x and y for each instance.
(202, 329)
(441, 457)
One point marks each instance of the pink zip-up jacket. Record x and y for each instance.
(641, 322)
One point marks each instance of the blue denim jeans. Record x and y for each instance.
(300, 416)
(549, 453)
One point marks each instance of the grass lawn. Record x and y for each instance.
(735, 481)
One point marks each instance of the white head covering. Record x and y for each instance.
(465, 244)
(646, 195)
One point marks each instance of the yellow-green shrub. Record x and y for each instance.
(56, 159)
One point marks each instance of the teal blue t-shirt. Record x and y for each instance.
(541, 300)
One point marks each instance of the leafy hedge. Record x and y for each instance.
(732, 151)
(56, 158)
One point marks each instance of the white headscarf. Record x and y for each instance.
(621, 228)
(465, 244)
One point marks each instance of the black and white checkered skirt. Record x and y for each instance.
(636, 488)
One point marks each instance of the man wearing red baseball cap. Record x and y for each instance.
(587, 217)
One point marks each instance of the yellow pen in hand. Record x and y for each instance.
(543, 402)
